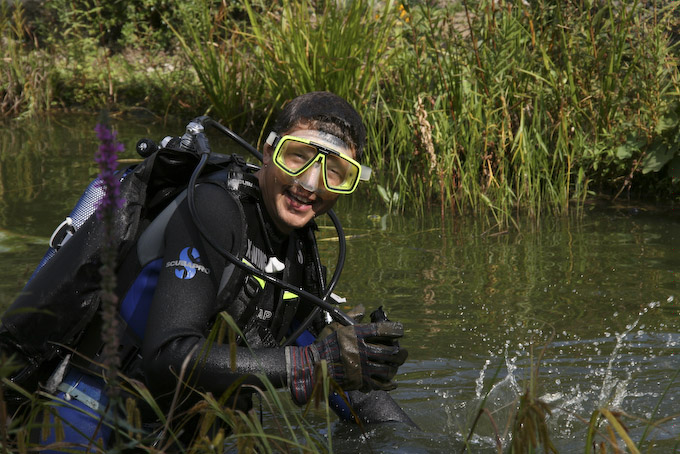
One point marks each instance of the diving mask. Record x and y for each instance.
(296, 155)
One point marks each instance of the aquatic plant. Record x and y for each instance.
(525, 111)
(301, 46)
(533, 107)
(215, 45)
(107, 160)
(210, 424)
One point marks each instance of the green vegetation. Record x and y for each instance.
(501, 107)
(80, 55)
(528, 430)
(210, 425)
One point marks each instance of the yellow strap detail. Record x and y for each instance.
(289, 295)
(259, 280)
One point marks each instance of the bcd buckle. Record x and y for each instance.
(62, 234)
(252, 286)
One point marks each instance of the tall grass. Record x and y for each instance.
(527, 103)
(529, 424)
(495, 106)
(303, 46)
(25, 87)
(217, 49)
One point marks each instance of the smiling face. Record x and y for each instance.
(289, 204)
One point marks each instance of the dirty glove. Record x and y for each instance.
(359, 357)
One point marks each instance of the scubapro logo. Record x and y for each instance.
(190, 262)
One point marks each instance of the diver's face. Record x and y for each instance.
(294, 201)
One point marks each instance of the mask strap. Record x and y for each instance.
(271, 138)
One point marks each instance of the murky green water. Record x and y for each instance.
(600, 293)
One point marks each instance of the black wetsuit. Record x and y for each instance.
(188, 300)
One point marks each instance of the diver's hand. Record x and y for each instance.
(359, 357)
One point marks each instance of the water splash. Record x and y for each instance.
(479, 383)
(579, 375)
(610, 382)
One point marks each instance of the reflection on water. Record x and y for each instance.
(595, 298)
(599, 293)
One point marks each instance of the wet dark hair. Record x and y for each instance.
(327, 112)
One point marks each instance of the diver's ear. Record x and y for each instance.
(267, 155)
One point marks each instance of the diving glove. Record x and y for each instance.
(359, 357)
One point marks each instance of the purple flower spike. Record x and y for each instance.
(107, 159)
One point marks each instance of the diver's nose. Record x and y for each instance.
(309, 179)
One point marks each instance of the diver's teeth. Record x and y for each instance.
(305, 201)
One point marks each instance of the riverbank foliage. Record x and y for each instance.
(501, 107)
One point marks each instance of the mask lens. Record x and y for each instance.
(341, 174)
(293, 156)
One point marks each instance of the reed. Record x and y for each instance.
(25, 87)
(303, 46)
(532, 107)
(530, 429)
(216, 47)
(527, 103)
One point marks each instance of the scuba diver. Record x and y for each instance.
(242, 242)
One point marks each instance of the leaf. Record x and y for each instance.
(629, 148)
(486, 200)
(658, 156)
(383, 193)
(668, 122)
(620, 430)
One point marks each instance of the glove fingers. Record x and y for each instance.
(387, 354)
(381, 371)
(382, 332)
(368, 355)
(379, 376)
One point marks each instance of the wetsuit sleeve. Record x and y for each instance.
(184, 306)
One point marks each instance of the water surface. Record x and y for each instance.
(592, 300)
